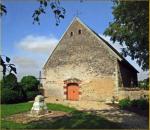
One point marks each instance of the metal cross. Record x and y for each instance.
(40, 77)
(77, 13)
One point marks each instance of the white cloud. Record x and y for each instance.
(26, 66)
(38, 44)
(25, 62)
(32, 52)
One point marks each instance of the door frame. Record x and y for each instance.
(70, 81)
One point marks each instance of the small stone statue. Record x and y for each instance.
(39, 106)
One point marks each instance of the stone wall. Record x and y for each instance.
(92, 87)
(80, 49)
(84, 57)
(132, 94)
(100, 89)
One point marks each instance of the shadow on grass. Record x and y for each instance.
(75, 120)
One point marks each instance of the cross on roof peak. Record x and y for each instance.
(77, 13)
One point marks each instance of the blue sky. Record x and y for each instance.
(29, 45)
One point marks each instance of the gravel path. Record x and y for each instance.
(125, 118)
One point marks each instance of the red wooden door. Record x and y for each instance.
(73, 92)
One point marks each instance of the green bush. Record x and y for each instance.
(124, 103)
(30, 86)
(10, 90)
(9, 81)
(31, 95)
(14, 92)
(134, 103)
(143, 104)
(9, 96)
(29, 83)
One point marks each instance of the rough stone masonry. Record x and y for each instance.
(82, 55)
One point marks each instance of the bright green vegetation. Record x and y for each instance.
(141, 103)
(10, 109)
(76, 119)
(139, 106)
(13, 91)
(59, 107)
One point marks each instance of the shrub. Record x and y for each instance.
(10, 90)
(9, 81)
(143, 104)
(29, 83)
(9, 96)
(124, 103)
(30, 86)
(134, 103)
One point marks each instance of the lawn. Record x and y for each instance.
(77, 119)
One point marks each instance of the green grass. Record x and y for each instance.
(10, 109)
(76, 119)
(59, 107)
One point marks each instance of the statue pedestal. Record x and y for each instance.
(39, 106)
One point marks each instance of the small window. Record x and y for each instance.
(71, 34)
(79, 31)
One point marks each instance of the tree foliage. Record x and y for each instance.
(11, 92)
(30, 86)
(58, 11)
(9, 96)
(130, 27)
(10, 81)
(144, 84)
(29, 83)
(2, 9)
(7, 66)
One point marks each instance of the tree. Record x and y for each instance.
(7, 66)
(144, 84)
(9, 96)
(2, 9)
(10, 81)
(58, 10)
(130, 27)
(11, 92)
(30, 87)
(29, 83)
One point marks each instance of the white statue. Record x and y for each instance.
(39, 106)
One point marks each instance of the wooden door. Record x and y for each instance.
(73, 92)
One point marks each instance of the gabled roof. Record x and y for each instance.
(112, 49)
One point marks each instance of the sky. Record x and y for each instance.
(29, 45)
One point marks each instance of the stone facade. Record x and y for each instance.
(83, 55)
(133, 94)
